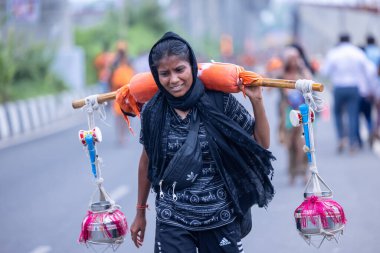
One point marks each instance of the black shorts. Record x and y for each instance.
(172, 239)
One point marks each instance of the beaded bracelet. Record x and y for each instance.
(142, 206)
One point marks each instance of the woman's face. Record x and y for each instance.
(293, 61)
(292, 58)
(175, 75)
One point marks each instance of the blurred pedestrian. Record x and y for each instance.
(346, 66)
(204, 155)
(367, 91)
(372, 51)
(294, 69)
(121, 74)
(102, 64)
(303, 56)
(274, 67)
(227, 48)
(247, 59)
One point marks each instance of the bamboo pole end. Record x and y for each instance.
(318, 87)
(79, 103)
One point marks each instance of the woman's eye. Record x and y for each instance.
(164, 74)
(180, 70)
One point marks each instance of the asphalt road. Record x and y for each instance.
(46, 185)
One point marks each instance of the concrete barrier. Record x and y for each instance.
(24, 117)
(51, 107)
(43, 110)
(14, 118)
(34, 113)
(4, 124)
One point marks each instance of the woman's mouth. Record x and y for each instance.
(176, 87)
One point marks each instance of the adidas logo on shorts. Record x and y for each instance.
(224, 242)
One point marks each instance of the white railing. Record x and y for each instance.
(19, 118)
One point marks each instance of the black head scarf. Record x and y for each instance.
(243, 164)
(196, 90)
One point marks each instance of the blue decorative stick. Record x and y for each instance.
(92, 152)
(304, 110)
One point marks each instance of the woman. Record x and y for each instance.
(204, 156)
(294, 68)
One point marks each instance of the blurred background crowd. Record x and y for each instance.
(50, 46)
(39, 37)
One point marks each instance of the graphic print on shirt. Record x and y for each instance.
(166, 213)
(201, 204)
(206, 204)
(221, 193)
(191, 177)
(194, 199)
(225, 215)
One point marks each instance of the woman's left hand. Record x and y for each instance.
(253, 92)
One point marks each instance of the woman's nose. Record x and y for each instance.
(174, 78)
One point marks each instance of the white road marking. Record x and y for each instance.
(42, 249)
(119, 192)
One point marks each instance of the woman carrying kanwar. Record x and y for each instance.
(204, 156)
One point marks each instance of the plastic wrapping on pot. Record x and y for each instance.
(318, 215)
(103, 224)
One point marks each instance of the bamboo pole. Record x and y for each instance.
(265, 82)
(101, 99)
(281, 83)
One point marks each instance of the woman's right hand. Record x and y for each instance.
(138, 229)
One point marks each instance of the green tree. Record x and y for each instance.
(33, 76)
(7, 68)
(148, 14)
(139, 25)
(26, 72)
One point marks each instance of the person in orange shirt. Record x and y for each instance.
(102, 64)
(121, 74)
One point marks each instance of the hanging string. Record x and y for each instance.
(91, 106)
(305, 87)
(100, 189)
(102, 113)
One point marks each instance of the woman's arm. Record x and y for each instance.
(139, 223)
(261, 131)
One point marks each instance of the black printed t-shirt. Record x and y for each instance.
(206, 203)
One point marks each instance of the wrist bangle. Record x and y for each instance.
(142, 206)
